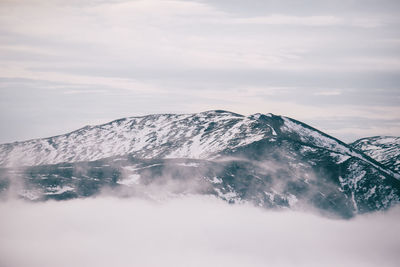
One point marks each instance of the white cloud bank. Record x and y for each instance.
(191, 231)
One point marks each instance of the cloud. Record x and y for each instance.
(177, 34)
(292, 20)
(72, 92)
(328, 93)
(193, 54)
(191, 231)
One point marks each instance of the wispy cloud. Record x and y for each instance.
(292, 20)
(328, 93)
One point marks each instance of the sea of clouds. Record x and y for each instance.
(188, 231)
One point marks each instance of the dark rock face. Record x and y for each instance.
(271, 161)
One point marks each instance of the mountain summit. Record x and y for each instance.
(268, 160)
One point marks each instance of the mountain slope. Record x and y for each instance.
(200, 135)
(271, 161)
(384, 149)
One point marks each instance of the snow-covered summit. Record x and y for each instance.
(154, 136)
(197, 136)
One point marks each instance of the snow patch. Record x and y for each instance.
(59, 190)
(190, 164)
(132, 179)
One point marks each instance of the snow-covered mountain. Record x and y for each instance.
(271, 161)
(384, 149)
(200, 136)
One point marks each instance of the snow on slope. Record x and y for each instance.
(313, 137)
(155, 136)
(288, 158)
(197, 136)
(384, 149)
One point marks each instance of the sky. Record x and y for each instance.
(332, 64)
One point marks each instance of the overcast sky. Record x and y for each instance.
(66, 64)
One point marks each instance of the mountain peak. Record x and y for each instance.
(199, 135)
(219, 112)
(272, 161)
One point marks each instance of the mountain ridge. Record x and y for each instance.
(115, 123)
(269, 160)
(384, 149)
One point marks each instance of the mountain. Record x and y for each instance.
(384, 149)
(202, 136)
(268, 160)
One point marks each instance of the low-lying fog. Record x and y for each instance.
(188, 231)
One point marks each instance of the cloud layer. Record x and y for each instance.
(66, 64)
(189, 231)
